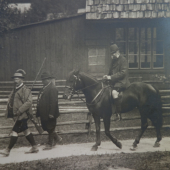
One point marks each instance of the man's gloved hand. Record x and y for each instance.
(51, 116)
(106, 77)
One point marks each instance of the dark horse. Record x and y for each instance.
(98, 99)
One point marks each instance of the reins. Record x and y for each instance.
(97, 95)
(94, 99)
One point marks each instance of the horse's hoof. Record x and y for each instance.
(94, 148)
(119, 145)
(133, 148)
(156, 145)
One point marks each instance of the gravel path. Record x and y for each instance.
(146, 145)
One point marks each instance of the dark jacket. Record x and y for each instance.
(48, 102)
(119, 72)
(22, 102)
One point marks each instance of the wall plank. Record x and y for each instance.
(60, 41)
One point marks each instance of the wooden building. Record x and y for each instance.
(141, 29)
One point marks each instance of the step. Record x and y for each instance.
(58, 124)
(83, 131)
(86, 131)
(31, 82)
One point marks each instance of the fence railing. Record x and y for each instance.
(72, 107)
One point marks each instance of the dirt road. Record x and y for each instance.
(146, 145)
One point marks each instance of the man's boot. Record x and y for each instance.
(12, 142)
(118, 108)
(57, 139)
(50, 142)
(31, 140)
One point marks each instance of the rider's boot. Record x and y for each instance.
(118, 108)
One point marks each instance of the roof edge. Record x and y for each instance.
(47, 21)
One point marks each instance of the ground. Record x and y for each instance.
(75, 154)
(80, 157)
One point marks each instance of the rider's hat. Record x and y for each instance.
(113, 48)
(46, 75)
(19, 73)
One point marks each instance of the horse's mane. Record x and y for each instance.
(85, 74)
(89, 76)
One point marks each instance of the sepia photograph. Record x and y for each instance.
(84, 84)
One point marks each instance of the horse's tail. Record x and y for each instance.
(156, 116)
(158, 96)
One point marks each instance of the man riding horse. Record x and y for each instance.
(118, 76)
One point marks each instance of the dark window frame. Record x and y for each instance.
(127, 41)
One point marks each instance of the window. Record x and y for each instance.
(121, 40)
(133, 50)
(96, 59)
(143, 47)
(158, 53)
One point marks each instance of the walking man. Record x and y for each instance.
(47, 109)
(18, 107)
(118, 75)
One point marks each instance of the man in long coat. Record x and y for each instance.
(18, 107)
(118, 75)
(47, 109)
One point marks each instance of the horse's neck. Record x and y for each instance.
(91, 88)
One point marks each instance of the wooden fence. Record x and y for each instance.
(76, 106)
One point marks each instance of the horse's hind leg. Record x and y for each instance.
(144, 125)
(107, 132)
(98, 141)
(156, 119)
(159, 137)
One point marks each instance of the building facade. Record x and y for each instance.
(139, 27)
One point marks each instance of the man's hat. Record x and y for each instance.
(113, 48)
(46, 75)
(19, 73)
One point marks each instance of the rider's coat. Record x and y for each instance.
(119, 72)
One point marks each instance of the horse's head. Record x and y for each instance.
(73, 84)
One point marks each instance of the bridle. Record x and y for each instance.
(73, 91)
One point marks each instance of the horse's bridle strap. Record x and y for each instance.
(97, 94)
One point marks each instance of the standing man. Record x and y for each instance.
(47, 109)
(118, 75)
(19, 105)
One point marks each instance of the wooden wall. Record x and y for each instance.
(60, 41)
(64, 43)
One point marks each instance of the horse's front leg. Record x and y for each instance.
(107, 132)
(98, 141)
